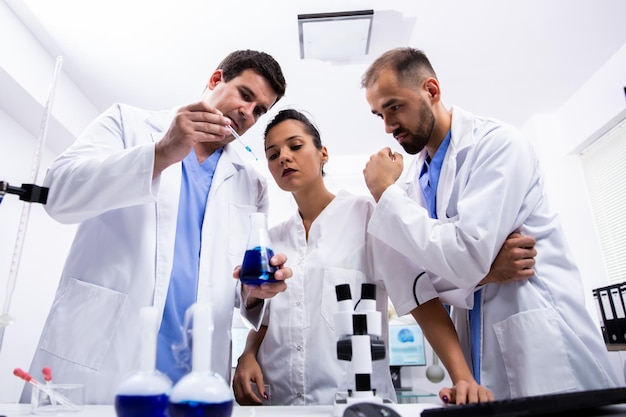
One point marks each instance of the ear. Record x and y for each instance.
(433, 89)
(324, 151)
(216, 78)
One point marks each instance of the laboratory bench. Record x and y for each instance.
(405, 410)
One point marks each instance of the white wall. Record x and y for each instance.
(559, 138)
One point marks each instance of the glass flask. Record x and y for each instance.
(256, 268)
(202, 392)
(145, 393)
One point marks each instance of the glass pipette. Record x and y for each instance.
(241, 141)
(53, 395)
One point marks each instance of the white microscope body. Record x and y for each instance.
(358, 331)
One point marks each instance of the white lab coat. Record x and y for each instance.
(298, 355)
(537, 336)
(122, 254)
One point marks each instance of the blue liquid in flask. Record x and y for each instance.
(256, 268)
(145, 393)
(200, 409)
(141, 405)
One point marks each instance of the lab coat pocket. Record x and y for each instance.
(82, 322)
(534, 353)
(333, 277)
(238, 227)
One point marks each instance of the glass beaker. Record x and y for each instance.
(256, 268)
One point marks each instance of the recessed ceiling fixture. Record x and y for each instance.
(337, 36)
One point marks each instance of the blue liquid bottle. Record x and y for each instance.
(256, 268)
(145, 394)
(202, 392)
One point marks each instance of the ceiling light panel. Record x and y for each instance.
(338, 36)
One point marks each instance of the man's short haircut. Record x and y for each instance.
(260, 62)
(410, 65)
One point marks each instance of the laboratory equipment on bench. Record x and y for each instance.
(435, 373)
(47, 376)
(29, 193)
(201, 392)
(406, 348)
(145, 393)
(358, 330)
(54, 397)
(369, 410)
(256, 268)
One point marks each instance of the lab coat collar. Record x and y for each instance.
(166, 210)
(462, 129)
(230, 162)
(462, 137)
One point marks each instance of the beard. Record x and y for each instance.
(416, 140)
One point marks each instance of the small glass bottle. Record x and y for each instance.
(256, 268)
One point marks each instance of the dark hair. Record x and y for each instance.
(260, 62)
(309, 127)
(291, 114)
(409, 64)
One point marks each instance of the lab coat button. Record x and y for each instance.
(299, 348)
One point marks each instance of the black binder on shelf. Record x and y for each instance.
(621, 295)
(601, 318)
(611, 302)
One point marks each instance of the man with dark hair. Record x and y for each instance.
(163, 202)
(474, 181)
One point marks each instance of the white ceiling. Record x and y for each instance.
(507, 59)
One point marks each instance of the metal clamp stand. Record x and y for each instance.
(358, 329)
(30, 193)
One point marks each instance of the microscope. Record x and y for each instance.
(358, 330)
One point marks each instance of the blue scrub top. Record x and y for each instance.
(173, 351)
(429, 176)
